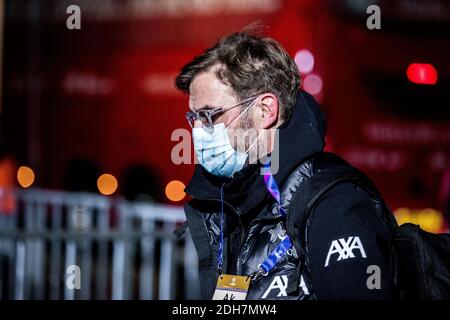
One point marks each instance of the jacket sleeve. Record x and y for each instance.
(348, 249)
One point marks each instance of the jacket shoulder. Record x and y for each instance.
(327, 176)
(314, 173)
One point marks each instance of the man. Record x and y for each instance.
(237, 221)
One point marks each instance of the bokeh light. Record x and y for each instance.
(304, 60)
(175, 190)
(422, 73)
(25, 176)
(312, 84)
(107, 184)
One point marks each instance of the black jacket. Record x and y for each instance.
(346, 236)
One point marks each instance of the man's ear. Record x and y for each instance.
(269, 109)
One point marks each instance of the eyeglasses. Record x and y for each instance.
(207, 117)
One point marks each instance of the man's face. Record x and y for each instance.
(208, 92)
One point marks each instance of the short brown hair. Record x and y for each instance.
(250, 64)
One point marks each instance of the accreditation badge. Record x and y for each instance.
(231, 287)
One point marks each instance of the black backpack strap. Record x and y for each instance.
(301, 193)
(307, 196)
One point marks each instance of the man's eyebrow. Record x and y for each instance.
(206, 107)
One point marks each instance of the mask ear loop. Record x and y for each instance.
(253, 102)
(256, 140)
(259, 135)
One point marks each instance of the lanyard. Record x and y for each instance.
(282, 248)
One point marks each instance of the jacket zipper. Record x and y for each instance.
(241, 246)
(242, 241)
(238, 271)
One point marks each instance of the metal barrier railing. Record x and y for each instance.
(63, 245)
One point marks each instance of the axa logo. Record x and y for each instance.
(345, 249)
(279, 283)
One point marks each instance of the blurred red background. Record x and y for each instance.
(79, 103)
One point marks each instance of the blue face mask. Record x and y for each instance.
(215, 152)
